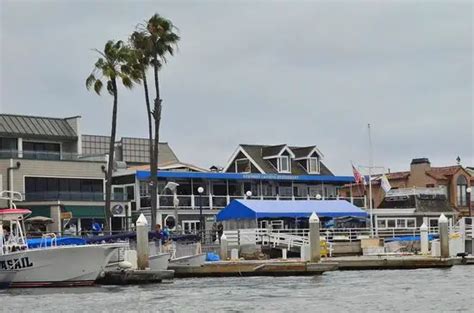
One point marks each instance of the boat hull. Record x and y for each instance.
(189, 261)
(159, 262)
(6, 278)
(62, 266)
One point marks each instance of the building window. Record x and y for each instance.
(409, 222)
(242, 166)
(461, 186)
(48, 188)
(9, 147)
(313, 165)
(284, 164)
(41, 150)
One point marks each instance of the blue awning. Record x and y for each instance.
(145, 175)
(255, 209)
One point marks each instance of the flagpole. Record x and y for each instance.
(370, 183)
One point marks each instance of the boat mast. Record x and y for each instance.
(371, 164)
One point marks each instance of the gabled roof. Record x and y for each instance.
(272, 150)
(443, 172)
(36, 127)
(305, 152)
(258, 156)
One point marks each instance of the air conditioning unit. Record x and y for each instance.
(121, 209)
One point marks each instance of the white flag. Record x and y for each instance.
(385, 184)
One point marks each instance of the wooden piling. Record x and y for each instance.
(142, 243)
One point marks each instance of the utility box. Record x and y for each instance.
(371, 243)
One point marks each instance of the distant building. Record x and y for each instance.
(450, 182)
(264, 172)
(58, 170)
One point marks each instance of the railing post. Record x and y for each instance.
(193, 202)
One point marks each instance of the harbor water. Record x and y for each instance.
(421, 290)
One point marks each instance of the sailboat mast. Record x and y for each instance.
(371, 161)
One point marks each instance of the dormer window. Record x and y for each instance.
(242, 166)
(313, 165)
(284, 164)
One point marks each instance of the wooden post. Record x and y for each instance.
(315, 244)
(424, 238)
(142, 242)
(443, 236)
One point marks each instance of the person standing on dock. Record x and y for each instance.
(220, 230)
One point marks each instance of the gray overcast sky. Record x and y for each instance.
(295, 72)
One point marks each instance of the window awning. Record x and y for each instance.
(255, 209)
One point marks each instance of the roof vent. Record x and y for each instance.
(420, 161)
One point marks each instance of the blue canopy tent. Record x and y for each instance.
(257, 209)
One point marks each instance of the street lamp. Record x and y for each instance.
(248, 194)
(201, 224)
(468, 193)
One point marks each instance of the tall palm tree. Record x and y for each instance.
(141, 62)
(112, 66)
(161, 41)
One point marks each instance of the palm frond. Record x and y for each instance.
(98, 86)
(89, 81)
(110, 87)
(127, 82)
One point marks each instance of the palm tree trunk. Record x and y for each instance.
(110, 168)
(154, 163)
(153, 193)
(149, 117)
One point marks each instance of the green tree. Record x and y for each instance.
(112, 66)
(161, 40)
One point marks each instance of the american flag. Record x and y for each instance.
(357, 175)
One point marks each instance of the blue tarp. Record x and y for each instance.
(410, 238)
(63, 241)
(255, 209)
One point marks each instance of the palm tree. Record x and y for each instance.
(111, 66)
(141, 62)
(161, 40)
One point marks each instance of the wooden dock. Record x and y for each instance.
(389, 262)
(134, 277)
(255, 268)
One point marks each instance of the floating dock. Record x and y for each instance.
(134, 277)
(255, 268)
(386, 262)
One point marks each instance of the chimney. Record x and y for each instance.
(418, 169)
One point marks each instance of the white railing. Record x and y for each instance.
(221, 201)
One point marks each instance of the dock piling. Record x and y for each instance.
(443, 236)
(314, 242)
(224, 247)
(424, 239)
(142, 243)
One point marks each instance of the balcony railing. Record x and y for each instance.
(49, 155)
(71, 196)
(221, 201)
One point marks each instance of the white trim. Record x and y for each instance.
(315, 149)
(236, 152)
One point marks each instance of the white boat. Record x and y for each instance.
(159, 262)
(48, 266)
(195, 260)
